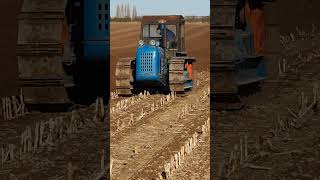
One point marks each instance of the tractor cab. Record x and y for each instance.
(166, 32)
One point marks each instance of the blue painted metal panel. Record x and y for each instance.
(96, 50)
(188, 81)
(188, 84)
(96, 30)
(251, 70)
(96, 20)
(148, 63)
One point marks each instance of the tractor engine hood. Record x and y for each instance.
(148, 63)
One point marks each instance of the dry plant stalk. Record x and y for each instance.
(71, 170)
(111, 166)
(177, 159)
(12, 108)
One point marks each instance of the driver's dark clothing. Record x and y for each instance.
(170, 35)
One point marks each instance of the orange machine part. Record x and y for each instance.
(189, 69)
(255, 19)
(65, 34)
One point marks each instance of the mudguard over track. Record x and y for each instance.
(40, 51)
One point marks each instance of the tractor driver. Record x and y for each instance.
(170, 36)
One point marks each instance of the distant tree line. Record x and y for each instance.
(125, 12)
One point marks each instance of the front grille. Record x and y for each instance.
(146, 62)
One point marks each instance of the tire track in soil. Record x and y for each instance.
(275, 97)
(155, 134)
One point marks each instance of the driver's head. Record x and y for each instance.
(160, 28)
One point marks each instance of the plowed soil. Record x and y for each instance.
(82, 148)
(139, 149)
(293, 152)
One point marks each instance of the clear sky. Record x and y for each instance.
(166, 7)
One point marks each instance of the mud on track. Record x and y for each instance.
(140, 149)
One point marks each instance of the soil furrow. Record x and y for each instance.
(158, 132)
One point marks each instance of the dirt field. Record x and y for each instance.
(145, 134)
(124, 38)
(149, 130)
(294, 153)
(282, 134)
(50, 159)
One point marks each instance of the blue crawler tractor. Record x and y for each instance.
(161, 63)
